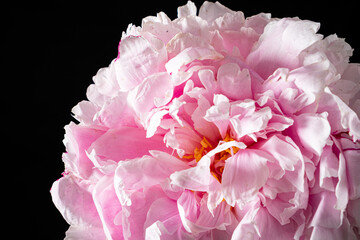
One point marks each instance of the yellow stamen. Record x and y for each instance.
(205, 143)
(189, 156)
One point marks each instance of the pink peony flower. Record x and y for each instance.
(217, 126)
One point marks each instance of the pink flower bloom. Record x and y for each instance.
(217, 126)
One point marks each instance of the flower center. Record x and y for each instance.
(218, 163)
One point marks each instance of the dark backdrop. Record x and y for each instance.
(52, 52)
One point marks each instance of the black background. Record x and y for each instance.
(52, 50)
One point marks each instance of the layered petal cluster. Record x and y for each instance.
(217, 126)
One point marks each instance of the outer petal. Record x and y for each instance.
(244, 174)
(108, 207)
(146, 171)
(74, 202)
(137, 60)
(77, 140)
(210, 11)
(81, 233)
(190, 54)
(126, 143)
(341, 116)
(187, 10)
(280, 45)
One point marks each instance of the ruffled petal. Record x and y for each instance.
(234, 82)
(126, 143)
(280, 45)
(146, 171)
(74, 202)
(108, 207)
(81, 232)
(137, 59)
(313, 131)
(244, 174)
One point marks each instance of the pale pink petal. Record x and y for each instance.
(313, 77)
(258, 22)
(204, 127)
(351, 153)
(244, 174)
(232, 21)
(126, 143)
(74, 201)
(155, 91)
(83, 232)
(197, 219)
(332, 48)
(116, 113)
(182, 40)
(163, 220)
(328, 169)
(194, 25)
(196, 178)
(313, 131)
(284, 151)
(210, 11)
(85, 112)
(138, 58)
(187, 10)
(105, 85)
(342, 232)
(108, 207)
(280, 45)
(160, 27)
(242, 40)
(270, 228)
(219, 113)
(134, 216)
(341, 116)
(348, 88)
(77, 140)
(135, 174)
(190, 54)
(324, 212)
(234, 82)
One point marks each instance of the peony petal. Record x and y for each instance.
(280, 45)
(108, 207)
(162, 219)
(210, 11)
(77, 140)
(134, 216)
(219, 113)
(143, 172)
(126, 143)
(313, 131)
(341, 116)
(244, 174)
(187, 10)
(74, 202)
(137, 60)
(116, 112)
(196, 178)
(284, 150)
(81, 232)
(155, 91)
(234, 82)
(85, 112)
(190, 54)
